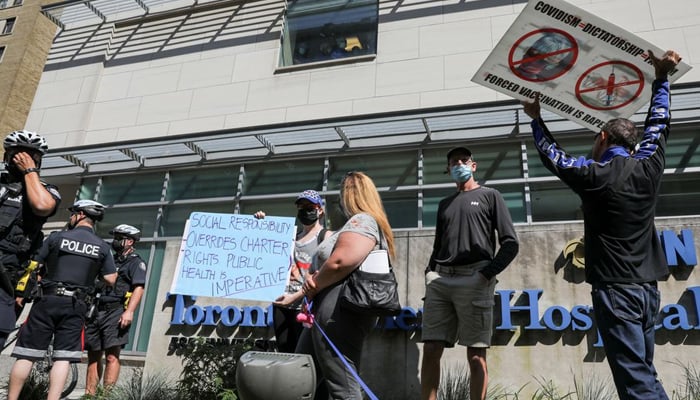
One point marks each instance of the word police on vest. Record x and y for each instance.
(75, 247)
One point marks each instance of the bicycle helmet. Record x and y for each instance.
(26, 139)
(91, 208)
(126, 230)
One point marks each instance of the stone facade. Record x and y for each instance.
(392, 359)
(26, 49)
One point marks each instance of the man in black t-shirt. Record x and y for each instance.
(460, 278)
(72, 259)
(107, 331)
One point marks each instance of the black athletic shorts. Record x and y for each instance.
(61, 317)
(103, 332)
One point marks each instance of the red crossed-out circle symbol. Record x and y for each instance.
(543, 55)
(609, 85)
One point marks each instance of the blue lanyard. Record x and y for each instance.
(350, 368)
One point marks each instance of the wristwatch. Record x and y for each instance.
(30, 170)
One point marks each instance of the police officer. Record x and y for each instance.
(73, 259)
(25, 204)
(108, 331)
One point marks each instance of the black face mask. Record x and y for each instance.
(71, 225)
(307, 217)
(119, 245)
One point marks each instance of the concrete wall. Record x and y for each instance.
(520, 357)
(208, 72)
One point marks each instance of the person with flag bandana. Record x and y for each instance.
(310, 214)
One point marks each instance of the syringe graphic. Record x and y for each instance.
(610, 88)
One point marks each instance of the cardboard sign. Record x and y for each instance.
(234, 256)
(586, 69)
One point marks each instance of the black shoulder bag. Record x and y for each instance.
(372, 293)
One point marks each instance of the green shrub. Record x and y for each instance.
(209, 369)
(455, 385)
(594, 388)
(690, 389)
(549, 391)
(138, 387)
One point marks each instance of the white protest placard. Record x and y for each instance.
(234, 256)
(586, 69)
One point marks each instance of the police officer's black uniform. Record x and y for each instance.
(103, 331)
(20, 236)
(73, 259)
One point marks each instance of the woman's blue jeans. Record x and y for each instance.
(626, 315)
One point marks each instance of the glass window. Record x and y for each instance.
(514, 197)
(131, 188)
(324, 30)
(143, 218)
(150, 296)
(143, 250)
(174, 217)
(274, 207)
(7, 26)
(680, 195)
(2, 52)
(389, 169)
(335, 219)
(193, 184)
(554, 201)
(579, 146)
(283, 177)
(401, 209)
(88, 189)
(431, 201)
(682, 149)
(494, 161)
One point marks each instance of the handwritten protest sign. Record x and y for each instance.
(234, 256)
(586, 69)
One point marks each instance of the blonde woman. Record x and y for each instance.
(339, 255)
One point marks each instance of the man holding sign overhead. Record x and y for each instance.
(624, 258)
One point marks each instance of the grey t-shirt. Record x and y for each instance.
(304, 259)
(363, 224)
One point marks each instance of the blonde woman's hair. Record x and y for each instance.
(359, 195)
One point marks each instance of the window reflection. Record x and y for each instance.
(553, 201)
(680, 195)
(387, 169)
(317, 30)
(143, 218)
(283, 177)
(131, 188)
(192, 184)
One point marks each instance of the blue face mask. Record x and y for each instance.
(461, 173)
